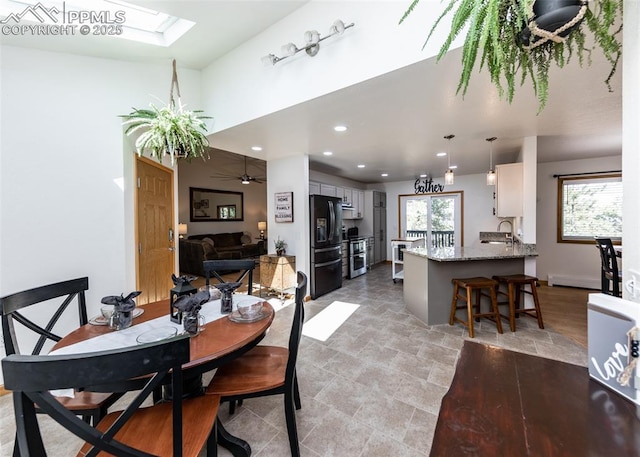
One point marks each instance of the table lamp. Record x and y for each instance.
(182, 230)
(262, 226)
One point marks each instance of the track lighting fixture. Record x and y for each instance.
(312, 43)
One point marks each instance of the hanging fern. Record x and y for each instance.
(494, 31)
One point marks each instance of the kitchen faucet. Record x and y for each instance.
(510, 225)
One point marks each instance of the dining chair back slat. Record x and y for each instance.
(216, 268)
(296, 328)
(610, 274)
(11, 306)
(142, 368)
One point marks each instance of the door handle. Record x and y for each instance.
(172, 249)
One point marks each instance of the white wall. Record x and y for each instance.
(290, 174)
(478, 206)
(579, 261)
(63, 162)
(527, 223)
(238, 87)
(198, 174)
(631, 143)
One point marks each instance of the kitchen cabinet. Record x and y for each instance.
(375, 222)
(352, 197)
(348, 196)
(370, 242)
(328, 190)
(358, 204)
(379, 199)
(345, 259)
(509, 192)
(380, 234)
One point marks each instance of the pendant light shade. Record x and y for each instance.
(491, 178)
(491, 175)
(448, 176)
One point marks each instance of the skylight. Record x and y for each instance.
(99, 17)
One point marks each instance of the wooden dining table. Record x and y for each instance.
(220, 341)
(506, 403)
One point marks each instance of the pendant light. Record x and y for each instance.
(491, 175)
(448, 176)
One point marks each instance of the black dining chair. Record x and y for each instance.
(216, 268)
(610, 276)
(90, 405)
(181, 427)
(268, 370)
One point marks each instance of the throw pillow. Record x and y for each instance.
(209, 241)
(245, 239)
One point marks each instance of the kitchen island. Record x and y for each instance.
(428, 273)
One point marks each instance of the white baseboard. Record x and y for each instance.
(574, 281)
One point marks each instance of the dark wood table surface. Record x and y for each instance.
(220, 340)
(505, 403)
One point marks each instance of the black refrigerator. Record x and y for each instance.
(326, 244)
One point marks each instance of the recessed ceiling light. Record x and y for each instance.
(453, 167)
(340, 128)
(441, 154)
(256, 148)
(328, 153)
(361, 165)
(384, 175)
(423, 175)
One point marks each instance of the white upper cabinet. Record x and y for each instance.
(352, 197)
(328, 190)
(509, 190)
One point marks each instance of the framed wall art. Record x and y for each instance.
(284, 207)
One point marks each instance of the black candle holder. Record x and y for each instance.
(182, 287)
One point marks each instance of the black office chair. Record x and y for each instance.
(217, 268)
(610, 277)
(92, 406)
(177, 428)
(268, 370)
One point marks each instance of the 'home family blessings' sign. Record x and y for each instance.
(284, 207)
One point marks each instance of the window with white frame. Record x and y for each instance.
(589, 206)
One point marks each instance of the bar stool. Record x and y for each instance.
(515, 287)
(476, 284)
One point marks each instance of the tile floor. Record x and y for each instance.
(372, 389)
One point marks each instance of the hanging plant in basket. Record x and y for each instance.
(169, 130)
(521, 39)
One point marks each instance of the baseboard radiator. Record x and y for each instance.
(574, 281)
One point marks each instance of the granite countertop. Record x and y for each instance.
(482, 252)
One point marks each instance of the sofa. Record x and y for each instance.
(198, 248)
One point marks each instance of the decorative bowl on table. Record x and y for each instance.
(156, 334)
(248, 310)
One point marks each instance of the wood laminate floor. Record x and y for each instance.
(564, 309)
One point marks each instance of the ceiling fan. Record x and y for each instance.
(244, 178)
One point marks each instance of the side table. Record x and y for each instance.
(278, 272)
